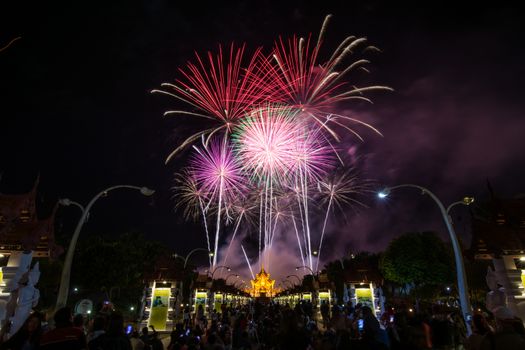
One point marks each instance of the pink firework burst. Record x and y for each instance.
(266, 142)
(220, 87)
(314, 157)
(217, 173)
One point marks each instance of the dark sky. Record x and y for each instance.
(76, 107)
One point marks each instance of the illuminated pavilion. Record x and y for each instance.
(262, 285)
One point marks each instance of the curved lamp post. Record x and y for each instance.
(63, 290)
(460, 266)
(186, 258)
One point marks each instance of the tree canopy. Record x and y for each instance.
(115, 266)
(419, 258)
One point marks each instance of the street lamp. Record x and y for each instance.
(460, 266)
(63, 290)
(186, 258)
(210, 254)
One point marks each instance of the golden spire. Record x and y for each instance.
(262, 285)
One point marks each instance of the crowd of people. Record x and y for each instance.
(105, 331)
(258, 326)
(274, 326)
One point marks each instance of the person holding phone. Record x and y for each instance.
(372, 332)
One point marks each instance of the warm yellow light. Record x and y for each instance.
(262, 285)
(521, 259)
(468, 200)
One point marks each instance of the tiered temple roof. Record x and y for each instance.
(166, 268)
(262, 285)
(21, 229)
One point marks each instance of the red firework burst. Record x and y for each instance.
(298, 79)
(220, 87)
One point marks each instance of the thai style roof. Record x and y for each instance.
(262, 284)
(21, 229)
(166, 268)
(498, 228)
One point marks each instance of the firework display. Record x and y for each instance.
(266, 155)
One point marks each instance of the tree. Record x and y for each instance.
(48, 283)
(476, 271)
(335, 273)
(115, 267)
(420, 259)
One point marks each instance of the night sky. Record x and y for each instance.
(76, 107)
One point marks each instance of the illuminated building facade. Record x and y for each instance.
(262, 285)
(161, 302)
(498, 235)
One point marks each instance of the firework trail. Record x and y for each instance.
(298, 241)
(340, 190)
(315, 88)
(233, 238)
(10, 43)
(313, 160)
(243, 212)
(217, 173)
(220, 88)
(266, 144)
(191, 199)
(248, 262)
(272, 124)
